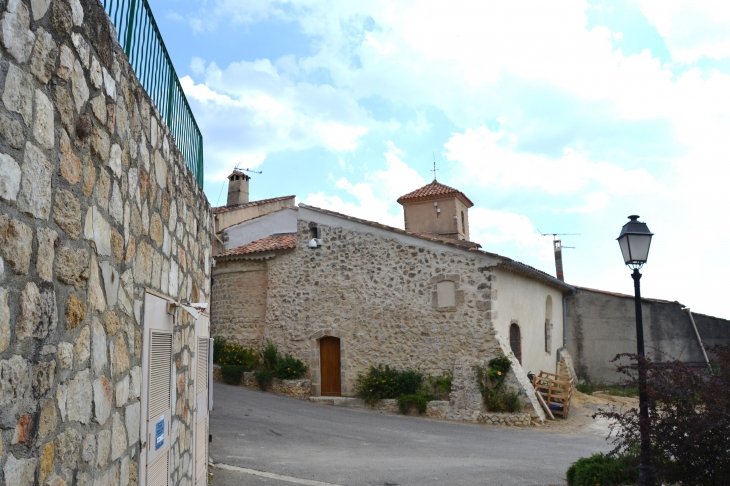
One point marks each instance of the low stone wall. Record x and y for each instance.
(301, 388)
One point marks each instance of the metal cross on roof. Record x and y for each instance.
(434, 170)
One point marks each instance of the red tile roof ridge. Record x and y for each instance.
(225, 209)
(278, 241)
(434, 190)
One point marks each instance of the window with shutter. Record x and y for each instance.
(202, 365)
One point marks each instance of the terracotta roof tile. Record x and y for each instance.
(225, 209)
(270, 243)
(434, 190)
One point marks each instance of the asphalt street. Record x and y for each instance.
(266, 439)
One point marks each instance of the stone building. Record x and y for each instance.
(104, 233)
(343, 294)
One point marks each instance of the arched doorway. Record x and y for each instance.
(515, 341)
(329, 366)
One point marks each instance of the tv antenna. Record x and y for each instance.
(558, 248)
(434, 170)
(238, 167)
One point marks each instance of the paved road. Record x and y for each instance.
(295, 442)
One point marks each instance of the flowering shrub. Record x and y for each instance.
(233, 354)
(491, 385)
(289, 368)
(379, 382)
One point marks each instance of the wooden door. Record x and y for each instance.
(329, 365)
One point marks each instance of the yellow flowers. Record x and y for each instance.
(499, 373)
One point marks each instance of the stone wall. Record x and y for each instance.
(96, 206)
(376, 293)
(600, 325)
(238, 307)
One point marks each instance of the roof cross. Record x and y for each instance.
(434, 170)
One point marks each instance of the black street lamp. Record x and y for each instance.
(634, 240)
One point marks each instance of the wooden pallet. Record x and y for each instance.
(555, 390)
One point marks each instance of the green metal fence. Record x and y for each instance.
(141, 40)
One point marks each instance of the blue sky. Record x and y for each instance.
(558, 117)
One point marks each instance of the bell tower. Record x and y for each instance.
(438, 210)
(237, 188)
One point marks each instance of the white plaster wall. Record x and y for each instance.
(523, 299)
(283, 221)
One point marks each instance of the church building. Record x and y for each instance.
(342, 293)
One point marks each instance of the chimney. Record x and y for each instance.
(559, 260)
(237, 188)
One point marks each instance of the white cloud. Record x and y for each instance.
(375, 197)
(489, 159)
(692, 29)
(492, 227)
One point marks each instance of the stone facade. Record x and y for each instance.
(239, 302)
(376, 290)
(82, 237)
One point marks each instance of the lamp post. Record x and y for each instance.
(634, 240)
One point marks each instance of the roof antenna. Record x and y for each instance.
(434, 170)
(238, 167)
(558, 247)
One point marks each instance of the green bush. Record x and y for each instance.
(408, 382)
(225, 353)
(288, 368)
(264, 378)
(440, 386)
(232, 374)
(378, 383)
(413, 400)
(270, 355)
(491, 385)
(602, 470)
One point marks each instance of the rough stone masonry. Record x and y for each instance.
(96, 206)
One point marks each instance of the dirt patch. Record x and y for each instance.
(580, 420)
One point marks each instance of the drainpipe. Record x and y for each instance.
(697, 333)
(565, 340)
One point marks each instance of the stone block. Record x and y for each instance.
(116, 208)
(4, 320)
(82, 346)
(132, 418)
(118, 355)
(115, 160)
(79, 88)
(122, 392)
(39, 8)
(16, 244)
(19, 472)
(119, 437)
(45, 373)
(30, 311)
(15, 31)
(103, 442)
(110, 275)
(65, 355)
(100, 145)
(43, 58)
(75, 312)
(9, 179)
(95, 296)
(14, 380)
(88, 448)
(79, 398)
(12, 131)
(23, 433)
(46, 252)
(95, 75)
(67, 213)
(98, 348)
(43, 125)
(18, 93)
(103, 395)
(98, 231)
(68, 447)
(35, 193)
(72, 266)
(48, 420)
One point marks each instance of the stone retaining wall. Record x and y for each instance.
(299, 388)
(96, 206)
